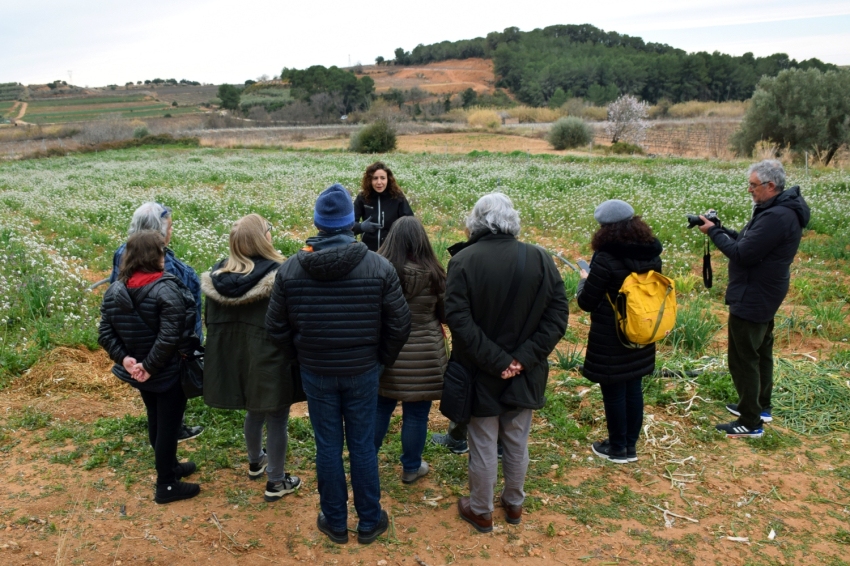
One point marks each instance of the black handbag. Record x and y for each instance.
(192, 373)
(458, 381)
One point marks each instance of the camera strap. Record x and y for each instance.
(707, 273)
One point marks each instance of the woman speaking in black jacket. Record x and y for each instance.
(623, 244)
(379, 204)
(143, 318)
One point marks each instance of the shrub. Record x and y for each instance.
(379, 137)
(484, 119)
(140, 132)
(624, 148)
(568, 133)
(531, 114)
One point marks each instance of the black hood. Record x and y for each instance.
(238, 284)
(332, 263)
(791, 198)
(641, 251)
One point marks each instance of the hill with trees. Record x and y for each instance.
(553, 64)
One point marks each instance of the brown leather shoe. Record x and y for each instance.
(513, 513)
(482, 523)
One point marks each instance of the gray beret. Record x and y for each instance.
(612, 211)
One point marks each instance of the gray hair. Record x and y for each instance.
(150, 216)
(769, 171)
(494, 212)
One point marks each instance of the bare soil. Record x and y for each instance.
(437, 78)
(62, 514)
(455, 143)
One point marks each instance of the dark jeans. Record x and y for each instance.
(751, 366)
(165, 416)
(343, 409)
(623, 413)
(414, 429)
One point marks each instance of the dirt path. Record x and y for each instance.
(22, 109)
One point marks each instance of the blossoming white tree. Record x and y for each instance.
(626, 120)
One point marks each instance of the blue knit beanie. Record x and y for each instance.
(334, 210)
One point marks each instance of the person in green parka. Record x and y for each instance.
(243, 368)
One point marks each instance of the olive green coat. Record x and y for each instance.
(417, 374)
(242, 368)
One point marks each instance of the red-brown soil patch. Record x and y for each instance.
(443, 77)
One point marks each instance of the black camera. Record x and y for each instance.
(695, 220)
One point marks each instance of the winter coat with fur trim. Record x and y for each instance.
(417, 374)
(243, 368)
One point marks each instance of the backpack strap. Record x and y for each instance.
(661, 311)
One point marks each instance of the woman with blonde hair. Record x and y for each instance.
(243, 369)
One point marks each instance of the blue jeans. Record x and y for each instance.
(343, 408)
(623, 412)
(414, 429)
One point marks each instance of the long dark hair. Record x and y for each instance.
(631, 231)
(144, 252)
(407, 241)
(366, 183)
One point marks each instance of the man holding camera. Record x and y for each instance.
(760, 256)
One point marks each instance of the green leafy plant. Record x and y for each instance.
(379, 137)
(569, 132)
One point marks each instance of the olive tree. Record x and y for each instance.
(806, 110)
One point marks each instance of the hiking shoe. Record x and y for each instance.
(277, 489)
(184, 469)
(339, 537)
(170, 492)
(411, 477)
(631, 454)
(456, 446)
(189, 432)
(733, 408)
(737, 430)
(604, 451)
(368, 537)
(255, 471)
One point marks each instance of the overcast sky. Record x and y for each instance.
(114, 41)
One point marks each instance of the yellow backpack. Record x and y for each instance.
(645, 309)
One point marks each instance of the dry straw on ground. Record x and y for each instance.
(73, 370)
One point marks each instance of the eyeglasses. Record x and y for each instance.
(754, 185)
(268, 227)
(166, 211)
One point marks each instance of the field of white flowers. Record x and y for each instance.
(61, 219)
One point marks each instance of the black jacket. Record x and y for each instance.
(606, 360)
(760, 255)
(161, 324)
(479, 277)
(382, 210)
(243, 368)
(339, 311)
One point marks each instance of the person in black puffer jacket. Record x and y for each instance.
(338, 309)
(623, 244)
(244, 369)
(147, 319)
(380, 203)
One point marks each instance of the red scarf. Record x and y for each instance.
(140, 279)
